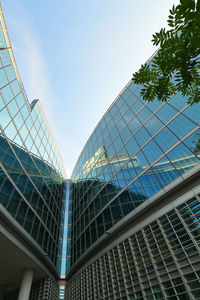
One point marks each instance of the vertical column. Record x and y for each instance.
(65, 231)
(25, 287)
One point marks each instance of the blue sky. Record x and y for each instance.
(77, 55)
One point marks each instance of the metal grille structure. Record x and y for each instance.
(160, 261)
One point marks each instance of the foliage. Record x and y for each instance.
(175, 67)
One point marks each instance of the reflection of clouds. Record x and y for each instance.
(153, 125)
(10, 131)
(134, 124)
(121, 124)
(128, 115)
(4, 118)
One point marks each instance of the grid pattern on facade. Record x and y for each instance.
(27, 196)
(136, 150)
(24, 123)
(161, 261)
(62, 293)
(45, 289)
(64, 247)
(31, 170)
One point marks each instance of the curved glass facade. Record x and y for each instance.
(136, 150)
(31, 170)
(132, 170)
(127, 225)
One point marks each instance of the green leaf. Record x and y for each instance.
(175, 68)
(170, 23)
(188, 4)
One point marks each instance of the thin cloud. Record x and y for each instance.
(35, 77)
(33, 68)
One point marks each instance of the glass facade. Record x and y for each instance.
(64, 252)
(31, 170)
(136, 150)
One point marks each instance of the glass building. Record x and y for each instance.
(136, 205)
(64, 252)
(31, 188)
(127, 223)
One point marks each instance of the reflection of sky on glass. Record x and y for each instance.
(80, 55)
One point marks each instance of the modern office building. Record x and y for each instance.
(136, 203)
(127, 224)
(31, 189)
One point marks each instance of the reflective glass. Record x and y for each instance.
(165, 113)
(181, 126)
(144, 114)
(165, 138)
(10, 131)
(2, 40)
(10, 73)
(15, 87)
(134, 124)
(20, 100)
(4, 118)
(7, 93)
(178, 101)
(2, 104)
(3, 78)
(192, 112)
(142, 136)
(153, 125)
(13, 108)
(33, 200)
(152, 151)
(5, 56)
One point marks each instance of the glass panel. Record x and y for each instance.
(192, 112)
(4, 117)
(7, 93)
(2, 40)
(3, 78)
(152, 151)
(10, 131)
(165, 138)
(178, 101)
(12, 106)
(181, 126)
(15, 87)
(11, 73)
(153, 125)
(144, 114)
(142, 136)
(182, 158)
(165, 113)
